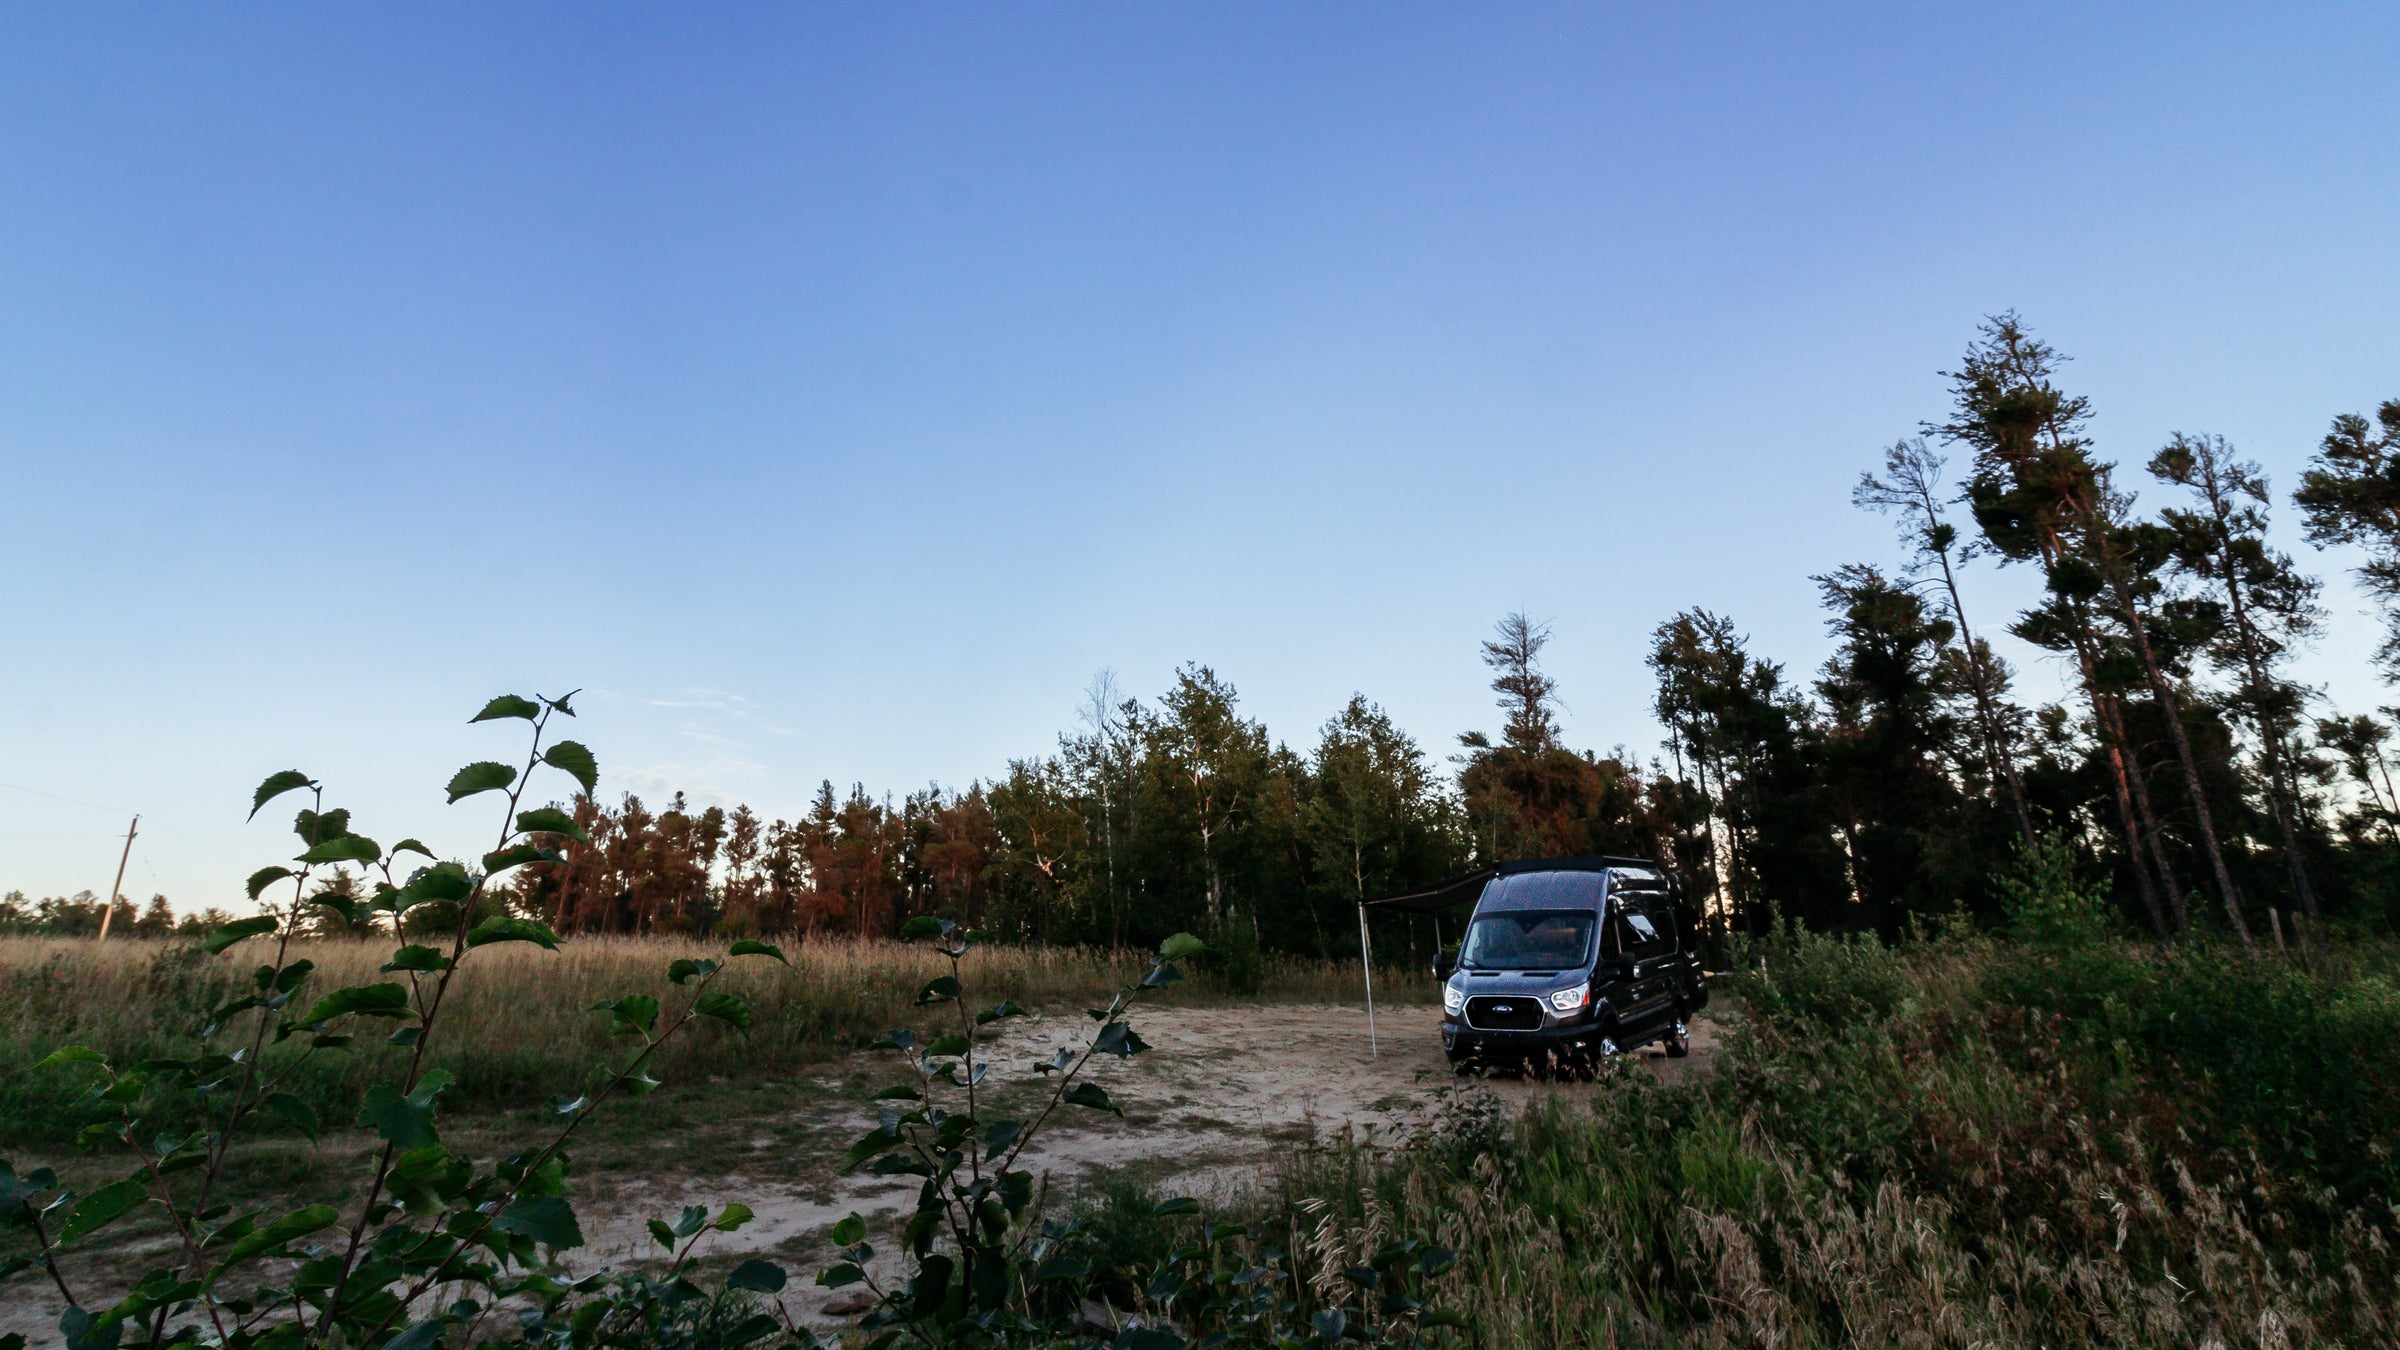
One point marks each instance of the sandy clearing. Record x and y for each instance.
(1222, 1091)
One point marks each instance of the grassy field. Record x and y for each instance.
(1957, 1144)
(1961, 1142)
(518, 1027)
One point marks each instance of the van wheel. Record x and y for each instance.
(1679, 1041)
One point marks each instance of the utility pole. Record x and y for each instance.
(109, 911)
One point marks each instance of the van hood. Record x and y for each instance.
(1530, 983)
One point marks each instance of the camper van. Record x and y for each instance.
(1566, 961)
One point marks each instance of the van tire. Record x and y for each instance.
(1678, 1042)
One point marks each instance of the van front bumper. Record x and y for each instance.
(1462, 1042)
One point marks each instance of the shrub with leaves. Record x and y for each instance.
(429, 1245)
(985, 1265)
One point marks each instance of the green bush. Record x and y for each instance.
(426, 1246)
(1958, 1142)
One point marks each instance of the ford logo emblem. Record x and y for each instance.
(1502, 1007)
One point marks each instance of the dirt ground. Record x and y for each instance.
(1220, 1092)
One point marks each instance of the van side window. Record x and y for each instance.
(1661, 912)
(1637, 928)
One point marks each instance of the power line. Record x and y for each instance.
(78, 801)
(57, 797)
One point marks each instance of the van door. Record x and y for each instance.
(1644, 928)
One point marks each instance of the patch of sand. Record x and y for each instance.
(1220, 1093)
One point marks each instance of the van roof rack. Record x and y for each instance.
(1443, 896)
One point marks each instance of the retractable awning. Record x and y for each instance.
(1444, 896)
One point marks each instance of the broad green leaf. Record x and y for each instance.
(725, 1008)
(758, 1277)
(263, 878)
(353, 910)
(570, 758)
(16, 1190)
(1000, 1136)
(290, 1228)
(922, 926)
(80, 1330)
(938, 990)
(1118, 1039)
(952, 1044)
(997, 1011)
(898, 1092)
(292, 1111)
(415, 957)
(684, 968)
(753, 947)
(1180, 946)
(634, 1014)
(442, 882)
(547, 1219)
(849, 1230)
(661, 1234)
(733, 1217)
(349, 848)
(101, 1208)
(425, 1335)
(551, 820)
(501, 928)
(234, 932)
(276, 785)
(1179, 1205)
(427, 1179)
(364, 1000)
(840, 1275)
(517, 855)
(507, 705)
(482, 776)
(1091, 1095)
(315, 829)
(405, 1123)
(868, 1145)
(410, 846)
(72, 1054)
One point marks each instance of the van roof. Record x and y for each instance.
(1458, 892)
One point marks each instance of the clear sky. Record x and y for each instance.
(832, 390)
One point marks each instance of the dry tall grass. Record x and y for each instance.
(517, 1026)
(1904, 1150)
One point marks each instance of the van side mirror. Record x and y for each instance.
(1444, 965)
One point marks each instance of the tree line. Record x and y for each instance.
(1903, 779)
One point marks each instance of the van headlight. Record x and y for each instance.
(1569, 1000)
(1453, 998)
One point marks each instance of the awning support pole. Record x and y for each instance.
(1366, 965)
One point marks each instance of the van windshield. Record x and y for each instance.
(1536, 939)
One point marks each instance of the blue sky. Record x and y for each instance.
(831, 391)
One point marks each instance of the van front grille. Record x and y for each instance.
(1522, 1012)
